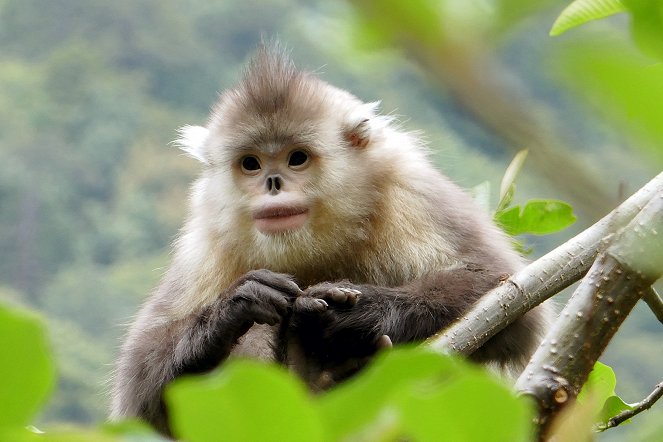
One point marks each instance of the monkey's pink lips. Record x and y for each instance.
(280, 218)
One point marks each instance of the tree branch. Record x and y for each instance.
(654, 302)
(638, 408)
(540, 280)
(617, 280)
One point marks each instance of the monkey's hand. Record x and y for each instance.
(258, 297)
(319, 298)
(332, 334)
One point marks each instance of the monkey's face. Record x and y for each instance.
(273, 180)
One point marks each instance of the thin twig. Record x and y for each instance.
(638, 408)
(654, 302)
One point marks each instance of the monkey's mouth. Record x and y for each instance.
(275, 219)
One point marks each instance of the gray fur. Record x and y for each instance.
(384, 222)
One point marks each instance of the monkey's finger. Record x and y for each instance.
(341, 295)
(254, 293)
(262, 315)
(310, 305)
(278, 281)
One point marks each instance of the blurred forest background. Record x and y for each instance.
(92, 92)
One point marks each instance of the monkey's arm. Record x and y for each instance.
(159, 350)
(339, 338)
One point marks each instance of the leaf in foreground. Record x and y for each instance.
(26, 367)
(244, 401)
(416, 394)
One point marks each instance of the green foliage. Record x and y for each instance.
(536, 217)
(583, 11)
(508, 186)
(406, 393)
(622, 85)
(244, 401)
(414, 393)
(601, 386)
(27, 377)
(28, 374)
(646, 23)
(90, 194)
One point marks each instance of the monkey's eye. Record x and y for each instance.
(250, 163)
(297, 158)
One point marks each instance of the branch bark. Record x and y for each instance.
(616, 281)
(540, 280)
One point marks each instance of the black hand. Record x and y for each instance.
(260, 296)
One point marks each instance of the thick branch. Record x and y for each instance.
(539, 280)
(612, 287)
(638, 408)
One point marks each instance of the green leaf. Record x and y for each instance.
(507, 186)
(471, 408)
(538, 217)
(421, 19)
(612, 407)
(132, 431)
(244, 401)
(413, 393)
(601, 386)
(582, 11)
(601, 382)
(647, 25)
(364, 404)
(27, 373)
(621, 83)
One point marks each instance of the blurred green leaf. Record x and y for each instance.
(132, 431)
(582, 11)
(507, 186)
(471, 408)
(244, 401)
(362, 404)
(622, 84)
(421, 19)
(647, 25)
(538, 217)
(26, 367)
(416, 394)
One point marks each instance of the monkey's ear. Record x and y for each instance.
(358, 133)
(191, 140)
